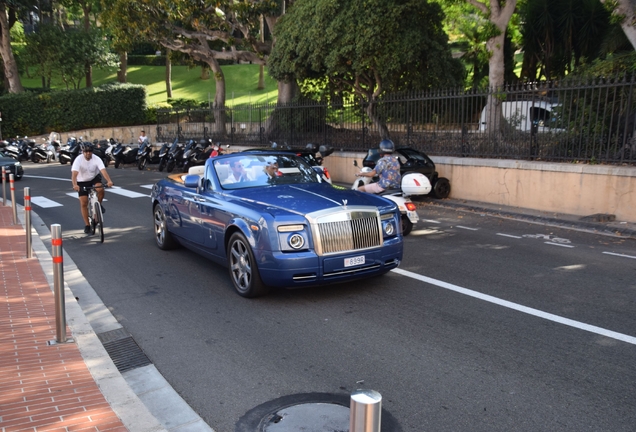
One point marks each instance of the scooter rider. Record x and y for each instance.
(387, 168)
(88, 171)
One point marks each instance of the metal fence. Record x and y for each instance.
(591, 121)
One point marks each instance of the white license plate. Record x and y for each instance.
(350, 262)
(413, 216)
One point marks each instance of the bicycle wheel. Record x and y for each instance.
(99, 221)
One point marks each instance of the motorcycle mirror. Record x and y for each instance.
(355, 163)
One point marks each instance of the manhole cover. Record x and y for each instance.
(310, 417)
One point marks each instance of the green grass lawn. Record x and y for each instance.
(240, 83)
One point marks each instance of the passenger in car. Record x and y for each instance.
(238, 173)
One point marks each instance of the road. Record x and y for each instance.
(488, 324)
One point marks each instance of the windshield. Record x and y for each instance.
(250, 170)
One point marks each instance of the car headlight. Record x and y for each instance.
(296, 241)
(292, 238)
(389, 225)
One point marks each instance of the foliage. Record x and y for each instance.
(109, 105)
(399, 46)
(51, 50)
(559, 35)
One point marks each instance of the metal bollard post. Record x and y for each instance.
(27, 219)
(4, 186)
(58, 282)
(366, 410)
(15, 207)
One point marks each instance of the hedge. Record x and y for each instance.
(113, 104)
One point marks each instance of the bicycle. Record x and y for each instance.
(95, 215)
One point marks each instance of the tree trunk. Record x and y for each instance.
(122, 73)
(89, 74)
(383, 130)
(495, 83)
(261, 78)
(625, 10)
(218, 107)
(205, 72)
(168, 74)
(11, 74)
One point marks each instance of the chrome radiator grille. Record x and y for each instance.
(347, 230)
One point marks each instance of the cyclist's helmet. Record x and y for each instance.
(386, 146)
(87, 146)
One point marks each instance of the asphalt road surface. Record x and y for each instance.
(488, 324)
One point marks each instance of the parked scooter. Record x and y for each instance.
(53, 144)
(70, 151)
(146, 155)
(175, 156)
(11, 149)
(164, 152)
(412, 184)
(199, 153)
(125, 154)
(41, 152)
(102, 149)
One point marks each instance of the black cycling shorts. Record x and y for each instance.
(82, 185)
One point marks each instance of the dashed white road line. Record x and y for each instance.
(620, 255)
(466, 228)
(509, 235)
(520, 308)
(558, 244)
(430, 221)
(44, 202)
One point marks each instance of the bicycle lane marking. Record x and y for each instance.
(520, 308)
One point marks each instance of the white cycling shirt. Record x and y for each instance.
(87, 169)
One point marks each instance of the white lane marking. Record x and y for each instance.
(520, 308)
(44, 202)
(558, 244)
(509, 235)
(466, 228)
(425, 232)
(430, 221)
(74, 195)
(130, 194)
(49, 178)
(620, 255)
(147, 186)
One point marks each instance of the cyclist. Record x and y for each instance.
(87, 170)
(387, 168)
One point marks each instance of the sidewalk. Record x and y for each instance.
(44, 387)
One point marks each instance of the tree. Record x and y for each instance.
(10, 10)
(559, 35)
(197, 29)
(364, 48)
(625, 11)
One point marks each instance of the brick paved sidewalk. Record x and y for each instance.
(42, 387)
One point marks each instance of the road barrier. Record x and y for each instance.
(27, 219)
(58, 283)
(15, 207)
(366, 410)
(4, 186)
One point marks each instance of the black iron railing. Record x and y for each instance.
(590, 121)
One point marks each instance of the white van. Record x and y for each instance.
(523, 114)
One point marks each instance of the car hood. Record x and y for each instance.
(7, 161)
(308, 198)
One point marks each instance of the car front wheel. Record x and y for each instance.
(242, 268)
(163, 237)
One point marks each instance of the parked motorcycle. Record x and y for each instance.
(175, 156)
(11, 149)
(125, 154)
(102, 149)
(146, 155)
(70, 151)
(53, 144)
(412, 184)
(164, 152)
(40, 152)
(197, 154)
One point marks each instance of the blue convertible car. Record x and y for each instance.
(272, 220)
